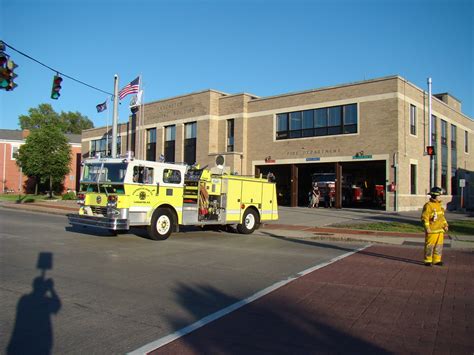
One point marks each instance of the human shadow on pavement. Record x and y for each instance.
(337, 247)
(276, 324)
(33, 329)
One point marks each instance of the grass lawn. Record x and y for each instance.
(23, 198)
(456, 227)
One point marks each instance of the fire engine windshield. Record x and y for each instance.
(324, 177)
(104, 172)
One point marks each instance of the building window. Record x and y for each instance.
(99, 147)
(444, 132)
(103, 146)
(170, 138)
(230, 135)
(413, 179)
(320, 122)
(466, 142)
(14, 152)
(119, 145)
(334, 120)
(453, 137)
(151, 144)
(308, 123)
(454, 161)
(350, 119)
(434, 137)
(190, 143)
(413, 120)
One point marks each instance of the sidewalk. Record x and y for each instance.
(58, 207)
(379, 300)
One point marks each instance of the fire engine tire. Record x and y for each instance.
(162, 224)
(251, 222)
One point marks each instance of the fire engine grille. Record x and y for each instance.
(99, 210)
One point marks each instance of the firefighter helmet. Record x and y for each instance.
(436, 191)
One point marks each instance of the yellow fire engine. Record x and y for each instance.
(119, 193)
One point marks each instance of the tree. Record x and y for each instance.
(40, 116)
(74, 122)
(68, 122)
(45, 155)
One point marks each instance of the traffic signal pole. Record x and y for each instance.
(430, 134)
(115, 118)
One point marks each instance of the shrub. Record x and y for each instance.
(71, 195)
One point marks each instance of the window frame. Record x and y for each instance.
(413, 179)
(413, 130)
(170, 144)
(338, 120)
(230, 140)
(14, 151)
(466, 142)
(444, 133)
(190, 143)
(453, 137)
(151, 144)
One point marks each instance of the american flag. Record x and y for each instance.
(131, 88)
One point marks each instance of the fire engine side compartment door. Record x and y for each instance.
(251, 192)
(268, 201)
(233, 190)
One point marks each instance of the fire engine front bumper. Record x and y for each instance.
(98, 222)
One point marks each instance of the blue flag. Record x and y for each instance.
(102, 107)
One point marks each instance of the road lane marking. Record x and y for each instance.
(154, 345)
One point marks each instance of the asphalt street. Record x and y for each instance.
(115, 294)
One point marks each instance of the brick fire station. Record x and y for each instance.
(371, 135)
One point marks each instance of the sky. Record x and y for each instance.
(259, 47)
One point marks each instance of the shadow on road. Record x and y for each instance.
(33, 329)
(337, 247)
(274, 324)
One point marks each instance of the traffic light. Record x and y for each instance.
(56, 87)
(4, 75)
(430, 150)
(11, 75)
(3, 78)
(3, 55)
(7, 70)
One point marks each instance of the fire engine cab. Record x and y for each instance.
(119, 193)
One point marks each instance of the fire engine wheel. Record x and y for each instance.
(162, 224)
(250, 222)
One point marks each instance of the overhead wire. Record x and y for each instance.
(56, 71)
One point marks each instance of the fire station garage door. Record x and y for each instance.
(363, 182)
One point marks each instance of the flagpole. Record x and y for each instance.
(107, 128)
(142, 133)
(115, 119)
(138, 146)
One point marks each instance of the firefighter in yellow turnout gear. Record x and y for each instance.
(435, 225)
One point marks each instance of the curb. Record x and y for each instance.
(38, 207)
(332, 230)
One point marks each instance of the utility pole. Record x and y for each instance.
(430, 134)
(115, 119)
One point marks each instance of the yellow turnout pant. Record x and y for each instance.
(433, 247)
